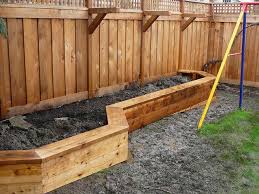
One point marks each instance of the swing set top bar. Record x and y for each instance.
(246, 4)
(249, 3)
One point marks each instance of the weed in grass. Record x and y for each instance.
(236, 137)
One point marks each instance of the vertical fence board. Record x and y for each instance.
(70, 55)
(104, 54)
(146, 53)
(213, 50)
(31, 48)
(226, 38)
(58, 57)
(197, 50)
(5, 86)
(212, 41)
(190, 45)
(121, 51)
(194, 47)
(184, 46)
(81, 55)
(184, 49)
(177, 32)
(250, 59)
(113, 48)
(202, 47)
(96, 59)
(205, 48)
(165, 48)
(17, 67)
(228, 68)
(219, 41)
(160, 47)
(153, 57)
(257, 56)
(129, 50)
(45, 59)
(171, 49)
(234, 61)
(137, 50)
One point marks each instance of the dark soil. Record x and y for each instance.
(169, 156)
(44, 127)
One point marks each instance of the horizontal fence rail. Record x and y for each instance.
(188, 7)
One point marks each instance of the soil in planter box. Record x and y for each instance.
(45, 127)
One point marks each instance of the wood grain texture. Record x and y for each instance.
(146, 54)
(45, 59)
(82, 55)
(16, 59)
(95, 59)
(165, 48)
(121, 51)
(257, 58)
(43, 13)
(31, 53)
(5, 82)
(85, 161)
(153, 50)
(70, 56)
(58, 57)
(113, 49)
(160, 35)
(129, 50)
(136, 51)
(104, 53)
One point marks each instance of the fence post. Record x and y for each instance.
(142, 70)
(180, 65)
(210, 35)
(91, 72)
(211, 9)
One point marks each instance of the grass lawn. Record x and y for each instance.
(236, 138)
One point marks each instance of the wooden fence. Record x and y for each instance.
(50, 59)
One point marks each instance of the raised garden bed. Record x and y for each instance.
(44, 127)
(46, 168)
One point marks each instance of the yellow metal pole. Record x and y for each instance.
(221, 69)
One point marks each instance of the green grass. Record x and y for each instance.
(236, 137)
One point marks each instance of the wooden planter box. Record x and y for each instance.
(49, 167)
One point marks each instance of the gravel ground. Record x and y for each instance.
(45, 127)
(169, 157)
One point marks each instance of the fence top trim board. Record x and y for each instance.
(66, 12)
(51, 13)
(117, 6)
(175, 6)
(117, 123)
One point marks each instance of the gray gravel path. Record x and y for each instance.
(169, 157)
